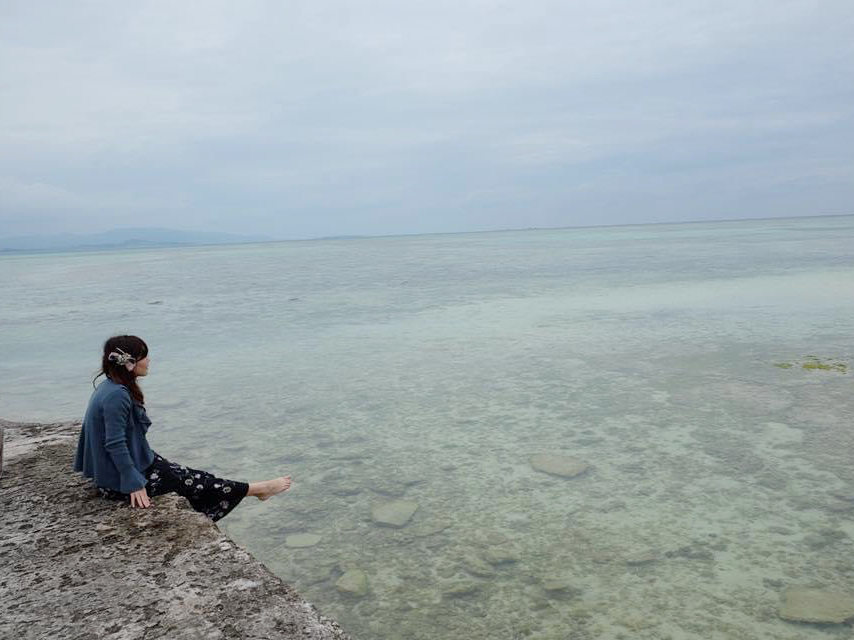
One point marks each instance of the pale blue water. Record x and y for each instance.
(434, 366)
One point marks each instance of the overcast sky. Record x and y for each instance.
(300, 119)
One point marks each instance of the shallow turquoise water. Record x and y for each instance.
(431, 368)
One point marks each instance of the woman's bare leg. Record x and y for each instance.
(269, 488)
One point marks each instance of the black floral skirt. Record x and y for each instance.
(207, 494)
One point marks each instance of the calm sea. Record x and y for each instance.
(702, 371)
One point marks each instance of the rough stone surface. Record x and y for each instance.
(78, 567)
(395, 513)
(813, 605)
(557, 465)
(353, 582)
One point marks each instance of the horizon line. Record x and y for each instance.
(581, 226)
(168, 245)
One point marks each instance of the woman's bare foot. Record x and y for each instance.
(269, 488)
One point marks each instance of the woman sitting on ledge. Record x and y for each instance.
(113, 450)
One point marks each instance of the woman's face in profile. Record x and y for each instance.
(141, 367)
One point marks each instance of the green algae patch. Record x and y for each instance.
(814, 363)
(841, 367)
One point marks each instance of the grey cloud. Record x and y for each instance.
(299, 119)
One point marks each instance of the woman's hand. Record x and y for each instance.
(140, 499)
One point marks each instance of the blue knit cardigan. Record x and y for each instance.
(112, 449)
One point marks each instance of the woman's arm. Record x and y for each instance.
(117, 408)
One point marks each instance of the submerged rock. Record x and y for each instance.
(460, 588)
(299, 540)
(637, 621)
(485, 538)
(641, 558)
(559, 586)
(691, 552)
(395, 513)
(354, 582)
(500, 555)
(813, 605)
(558, 465)
(478, 567)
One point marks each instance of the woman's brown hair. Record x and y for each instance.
(119, 373)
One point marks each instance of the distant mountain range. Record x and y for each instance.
(122, 238)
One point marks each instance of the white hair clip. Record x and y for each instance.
(122, 358)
